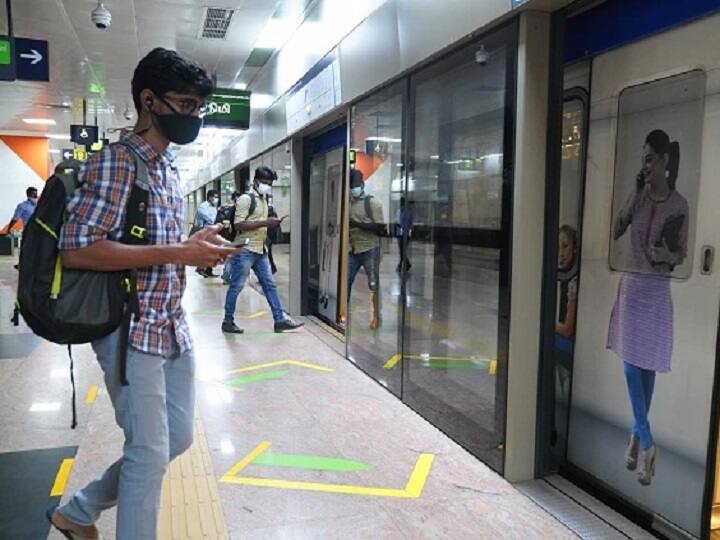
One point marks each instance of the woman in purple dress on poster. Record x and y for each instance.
(641, 324)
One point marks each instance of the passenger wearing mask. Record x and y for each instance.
(155, 410)
(366, 227)
(205, 217)
(251, 224)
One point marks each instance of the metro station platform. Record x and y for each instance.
(292, 441)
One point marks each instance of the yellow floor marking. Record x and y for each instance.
(92, 394)
(259, 449)
(282, 363)
(62, 477)
(189, 505)
(420, 473)
(394, 359)
(413, 489)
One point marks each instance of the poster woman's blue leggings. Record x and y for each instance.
(640, 384)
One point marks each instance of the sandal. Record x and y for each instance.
(67, 533)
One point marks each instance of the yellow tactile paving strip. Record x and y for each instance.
(190, 504)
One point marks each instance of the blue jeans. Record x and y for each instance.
(640, 383)
(155, 411)
(370, 260)
(240, 266)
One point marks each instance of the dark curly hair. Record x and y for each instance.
(163, 71)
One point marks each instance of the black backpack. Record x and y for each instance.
(226, 216)
(68, 306)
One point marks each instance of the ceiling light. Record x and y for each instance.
(55, 151)
(58, 137)
(40, 121)
(275, 34)
(260, 101)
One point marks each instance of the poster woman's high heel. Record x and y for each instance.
(631, 454)
(647, 469)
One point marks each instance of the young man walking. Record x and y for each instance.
(251, 224)
(155, 408)
(366, 227)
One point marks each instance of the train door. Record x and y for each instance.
(645, 342)
(326, 169)
(330, 234)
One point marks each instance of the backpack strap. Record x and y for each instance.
(368, 208)
(136, 210)
(253, 205)
(135, 233)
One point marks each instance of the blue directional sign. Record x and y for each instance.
(31, 59)
(67, 153)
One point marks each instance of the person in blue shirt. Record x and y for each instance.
(205, 217)
(25, 209)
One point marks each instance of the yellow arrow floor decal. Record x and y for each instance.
(266, 365)
(412, 490)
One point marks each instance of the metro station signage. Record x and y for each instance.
(81, 134)
(228, 108)
(7, 59)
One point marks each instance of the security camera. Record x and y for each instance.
(481, 56)
(101, 16)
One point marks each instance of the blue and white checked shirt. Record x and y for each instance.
(97, 212)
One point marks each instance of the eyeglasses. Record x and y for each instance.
(186, 105)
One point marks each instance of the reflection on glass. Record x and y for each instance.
(376, 188)
(453, 372)
(567, 270)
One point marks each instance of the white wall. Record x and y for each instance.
(15, 177)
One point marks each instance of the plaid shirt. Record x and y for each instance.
(97, 212)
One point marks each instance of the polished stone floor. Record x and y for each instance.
(293, 440)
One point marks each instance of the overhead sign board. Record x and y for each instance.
(31, 59)
(81, 134)
(7, 59)
(228, 108)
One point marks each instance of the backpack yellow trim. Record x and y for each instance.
(57, 279)
(46, 227)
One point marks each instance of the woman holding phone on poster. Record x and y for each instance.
(641, 324)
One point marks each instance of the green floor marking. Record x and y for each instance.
(316, 463)
(244, 379)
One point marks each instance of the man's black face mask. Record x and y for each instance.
(178, 128)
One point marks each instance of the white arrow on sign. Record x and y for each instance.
(32, 55)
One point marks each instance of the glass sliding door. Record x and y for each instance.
(454, 342)
(280, 237)
(376, 144)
